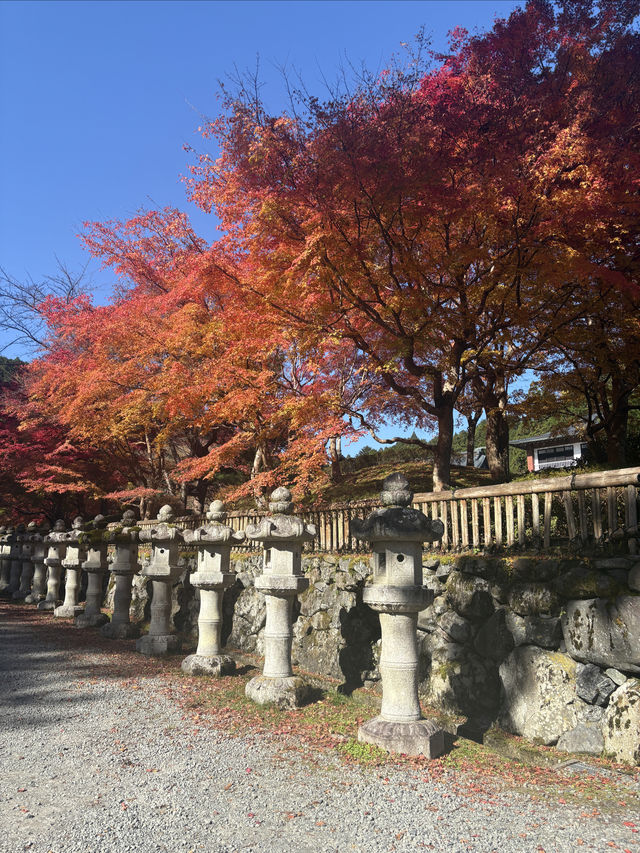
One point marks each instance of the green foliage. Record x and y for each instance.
(8, 368)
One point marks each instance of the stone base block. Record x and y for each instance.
(48, 605)
(120, 630)
(215, 665)
(421, 737)
(68, 611)
(285, 693)
(158, 646)
(94, 620)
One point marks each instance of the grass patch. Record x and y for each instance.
(363, 753)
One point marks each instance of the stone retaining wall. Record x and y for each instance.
(548, 648)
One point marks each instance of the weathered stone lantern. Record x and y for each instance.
(282, 536)
(5, 562)
(56, 550)
(39, 568)
(75, 556)
(396, 534)
(163, 569)
(96, 567)
(212, 577)
(15, 556)
(26, 553)
(123, 567)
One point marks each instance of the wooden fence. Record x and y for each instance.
(587, 511)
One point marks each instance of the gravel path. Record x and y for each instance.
(91, 766)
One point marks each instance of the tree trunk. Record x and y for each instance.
(616, 430)
(497, 445)
(201, 495)
(442, 456)
(472, 422)
(334, 458)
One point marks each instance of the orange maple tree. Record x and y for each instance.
(442, 221)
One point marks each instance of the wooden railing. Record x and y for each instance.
(579, 510)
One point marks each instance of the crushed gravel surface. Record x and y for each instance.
(89, 765)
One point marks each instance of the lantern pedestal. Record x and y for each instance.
(75, 556)
(95, 566)
(53, 561)
(159, 641)
(398, 595)
(38, 585)
(163, 570)
(123, 567)
(282, 536)
(214, 542)
(208, 659)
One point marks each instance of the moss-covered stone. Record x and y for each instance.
(470, 596)
(533, 599)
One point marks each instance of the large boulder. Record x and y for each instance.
(582, 582)
(586, 737)
(544, 631)
(462, 683)
(533, 599)
(539, 694)
(622, 723)
(603, 632)
(494, 639)
(456, 629)
(470, 596)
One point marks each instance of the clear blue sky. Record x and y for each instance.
(98, 98)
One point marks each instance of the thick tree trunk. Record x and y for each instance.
(472, 422)
(334, 458)
(497, 444)
(201, 495)
(616, 430)
(442, 456)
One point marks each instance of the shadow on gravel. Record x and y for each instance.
(33, 643)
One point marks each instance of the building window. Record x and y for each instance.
(560, 456)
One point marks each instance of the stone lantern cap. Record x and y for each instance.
(40, 537)
(163, 531)
(58, 533)
(397, 521)
(73, 536)
(165, 538)
(281, 526)
(215, 533)
(127, 532)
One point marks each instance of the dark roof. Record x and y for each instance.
(571, 432)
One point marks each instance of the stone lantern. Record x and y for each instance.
(212, 577)
(75, 556)
(26, 574)
(282, 536)
(39, 569)
(56, 550)
(396, 534)
(5, 562)
(15, 556)
(163, 569)
(123, 567)
(96, 567)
